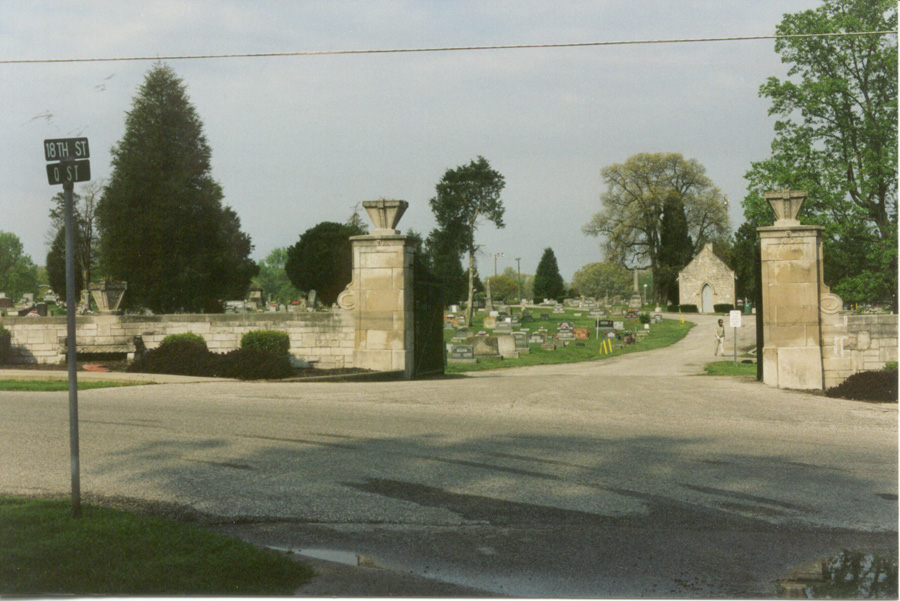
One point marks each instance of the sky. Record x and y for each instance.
(304, 139)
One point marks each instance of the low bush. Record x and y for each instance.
(688, 308)
(890, 366)
(877, 386)
(190, 337)
(644, 317)
(177, 357)
(723, 308)
(185, 358)
(254, 364)
(672, 308)
(272, 341)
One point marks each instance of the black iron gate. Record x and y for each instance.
(428, 348)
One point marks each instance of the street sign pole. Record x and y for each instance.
(72, 166)
(71, 308)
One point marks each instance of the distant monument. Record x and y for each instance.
(635, 302)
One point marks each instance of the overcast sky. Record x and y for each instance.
(300, 140)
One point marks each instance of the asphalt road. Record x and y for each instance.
(624, 477)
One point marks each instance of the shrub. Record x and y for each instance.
(672, 308)
(178, 357)
(254, 364)
(644, 317)
(723, 308)
(189, 337)
(878, 386)
(278, 343)
(688, 308)
(890, 366)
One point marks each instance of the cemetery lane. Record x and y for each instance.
(623, 477)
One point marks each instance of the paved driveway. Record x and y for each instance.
(623, 477)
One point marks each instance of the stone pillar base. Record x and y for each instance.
(795, 368)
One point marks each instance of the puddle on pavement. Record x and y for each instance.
(348, 558)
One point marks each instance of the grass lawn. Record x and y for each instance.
(728, 368)
(57, 385)
(669, 331)
(43, 550)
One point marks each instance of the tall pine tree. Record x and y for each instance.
(548, 283)
(164, 227)
(675, 248)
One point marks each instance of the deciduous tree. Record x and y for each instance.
(602, 278)
(466, 197)
(18, 274)
(273, 278)
(631, 220)
(836, 138)
(163, 226)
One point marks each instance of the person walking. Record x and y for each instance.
(720, 338)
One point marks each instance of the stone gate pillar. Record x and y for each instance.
(381, 292)
(792, 286)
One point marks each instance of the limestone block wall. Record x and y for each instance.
(855, 343)
(325, 339)
(381, 298)
(706, 269)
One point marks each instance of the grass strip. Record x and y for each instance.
(57, 385)
(728, 368)
(44, 550)
(665, 333)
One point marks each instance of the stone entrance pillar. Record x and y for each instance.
(381, 292)
(792, 287)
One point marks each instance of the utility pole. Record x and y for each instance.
(495, 255)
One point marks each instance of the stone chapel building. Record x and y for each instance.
(706, 281)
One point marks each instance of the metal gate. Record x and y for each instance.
(428, 347)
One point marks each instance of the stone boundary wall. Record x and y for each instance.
(855, 343)
(324, 339)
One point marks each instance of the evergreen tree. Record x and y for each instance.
(443, 256)
(676, 248)
(548, 283)
(322, 260)
(163, 226)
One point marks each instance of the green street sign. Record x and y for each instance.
(69, 172)
(66, 148)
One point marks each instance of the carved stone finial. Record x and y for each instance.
(786, 204)
(385, 214)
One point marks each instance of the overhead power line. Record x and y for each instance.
(440, 49)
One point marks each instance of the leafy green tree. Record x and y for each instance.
(631, 220)
(599, 279)
(163, 226)
(466, 196)
(548, 283)
(836, 138)
(442, 254)
(503, 287)
(273, 278)
(84, 205)
(741, 259)
(322, 260)
(676, 249)
(18, 274)
(56, 265)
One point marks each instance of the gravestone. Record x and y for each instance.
(558, 309)
(565, 330)
(545, 317)
(549, 345)
(490, 322)
(486, 346)
(503, 327)
(461, 335)
(537, 338)
(527, 318)
(311, 299)
(521, 339)
(462, 353)
(489, 304)
(582, 334)
(448, 325)
(619, 325)
(506, 346)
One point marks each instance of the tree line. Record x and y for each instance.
(160, 222)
